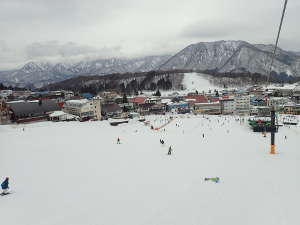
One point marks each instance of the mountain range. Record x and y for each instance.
(219, 56)
(38, 74)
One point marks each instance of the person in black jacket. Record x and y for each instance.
(5, 186)
(170, 151)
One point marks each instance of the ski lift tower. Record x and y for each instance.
(273, 130)
(273, 125)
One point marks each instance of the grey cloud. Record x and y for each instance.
(209, 30)
(54, 50)
(101, 28)
(10, 57)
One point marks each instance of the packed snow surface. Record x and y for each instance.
(191, 82)
(197, 81)
(75, 174)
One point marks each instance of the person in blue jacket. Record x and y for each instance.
(5, 186)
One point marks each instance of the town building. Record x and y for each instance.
(21, 94)
(111, 110)
(278, 103)
(293, 109)
(158, 108)
(260, 111)
(180, 107)
(62, 116)
(83, 108)
(4, 112)
(5, 93)
(28, 111)
(242, 104)
(208, 108)
(227, 106)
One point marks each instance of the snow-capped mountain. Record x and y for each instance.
(219, 56)
(42, 73)
(234, 56)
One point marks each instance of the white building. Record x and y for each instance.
(278, 101)
(154, 100)
(62, 116)
(68, 94)
(242, 104)
(84, 108)
(5, 93)
(227, 106)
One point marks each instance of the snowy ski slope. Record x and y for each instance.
(197, 81)
(75, 174)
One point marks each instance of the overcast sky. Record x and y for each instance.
(75, 29)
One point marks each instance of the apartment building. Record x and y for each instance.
(227, 106)
(242, 104)
(85, 109)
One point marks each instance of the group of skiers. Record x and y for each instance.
(170, 148)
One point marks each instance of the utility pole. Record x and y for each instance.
(273, 130)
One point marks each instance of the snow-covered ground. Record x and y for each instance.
(197, 81)
(75, 174)
(191, 82)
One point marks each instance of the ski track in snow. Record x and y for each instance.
(75, 174)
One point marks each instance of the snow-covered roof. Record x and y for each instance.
(77, 102)
(167, 100)
(16, 101)
(57, 113)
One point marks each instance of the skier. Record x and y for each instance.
(5, 187)
(285, 137)
(170, 150)
(203, 135)
(118, 141)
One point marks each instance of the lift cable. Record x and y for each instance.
(277, 39)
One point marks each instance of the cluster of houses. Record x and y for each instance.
(27, 106)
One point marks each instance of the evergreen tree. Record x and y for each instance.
(125, 100)
(122, 87)
(157, 93)
(153, 86)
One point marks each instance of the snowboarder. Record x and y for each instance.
(118, 141)
(5, 186)
(170, 150)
